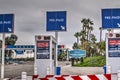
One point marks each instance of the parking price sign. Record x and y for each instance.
(43, 50)
(114, 47)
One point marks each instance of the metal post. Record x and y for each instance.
(67, 50)
(3, 50)
(56, 36)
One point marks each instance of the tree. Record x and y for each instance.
(75, 46)
(77, 35)
(101, 47)
(83, 39)
(87, 25)
(90, 30)
(62, 55)
(93, 38)
(10, 40)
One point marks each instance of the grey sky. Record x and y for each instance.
(30, 17)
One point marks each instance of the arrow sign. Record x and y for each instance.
(56, 21)
(110, 18)
(6, 23)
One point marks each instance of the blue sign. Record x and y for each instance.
(20, 47)
(59, 52)
(77, 53)
(19, 51)
(110, 18)
(6, 23)
(56, 21)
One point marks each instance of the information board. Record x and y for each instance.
(77, 53)
(114, 47)
(43, 50)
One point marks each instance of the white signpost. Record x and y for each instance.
(113, 52)
(111, 21)
(45, 54)
(6, 26)
(56, 21)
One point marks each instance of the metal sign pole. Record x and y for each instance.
(56, 36)
(3, 50)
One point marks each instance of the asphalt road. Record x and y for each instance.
(67, 69)
(14, 71)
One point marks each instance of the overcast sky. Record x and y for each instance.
(30, 17)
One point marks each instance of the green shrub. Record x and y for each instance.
(95, 61)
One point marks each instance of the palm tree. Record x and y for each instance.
(75, 46)
(82, 39)
(100, 28)
(87, 23)
(90, 30)
(93, 38)
(77, 35)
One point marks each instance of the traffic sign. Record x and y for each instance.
(56, 21)
(110, 18)
(6, 23)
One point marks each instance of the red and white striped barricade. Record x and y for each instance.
(77, 77)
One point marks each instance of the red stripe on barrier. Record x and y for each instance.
(49, 76)
(64, 75)
(76, 77)
(34, 76)
(59, 78)
(43, 78)
(108, 76)
(92, 77)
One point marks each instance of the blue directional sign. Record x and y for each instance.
(110, 18)
(6, 23)
(56, 21)
(19, 51)
(77, 53)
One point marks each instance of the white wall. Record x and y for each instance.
(26, 54)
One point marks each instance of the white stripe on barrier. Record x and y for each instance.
(51, 78)
(101, 77)
(68, 78)
(85, 77)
